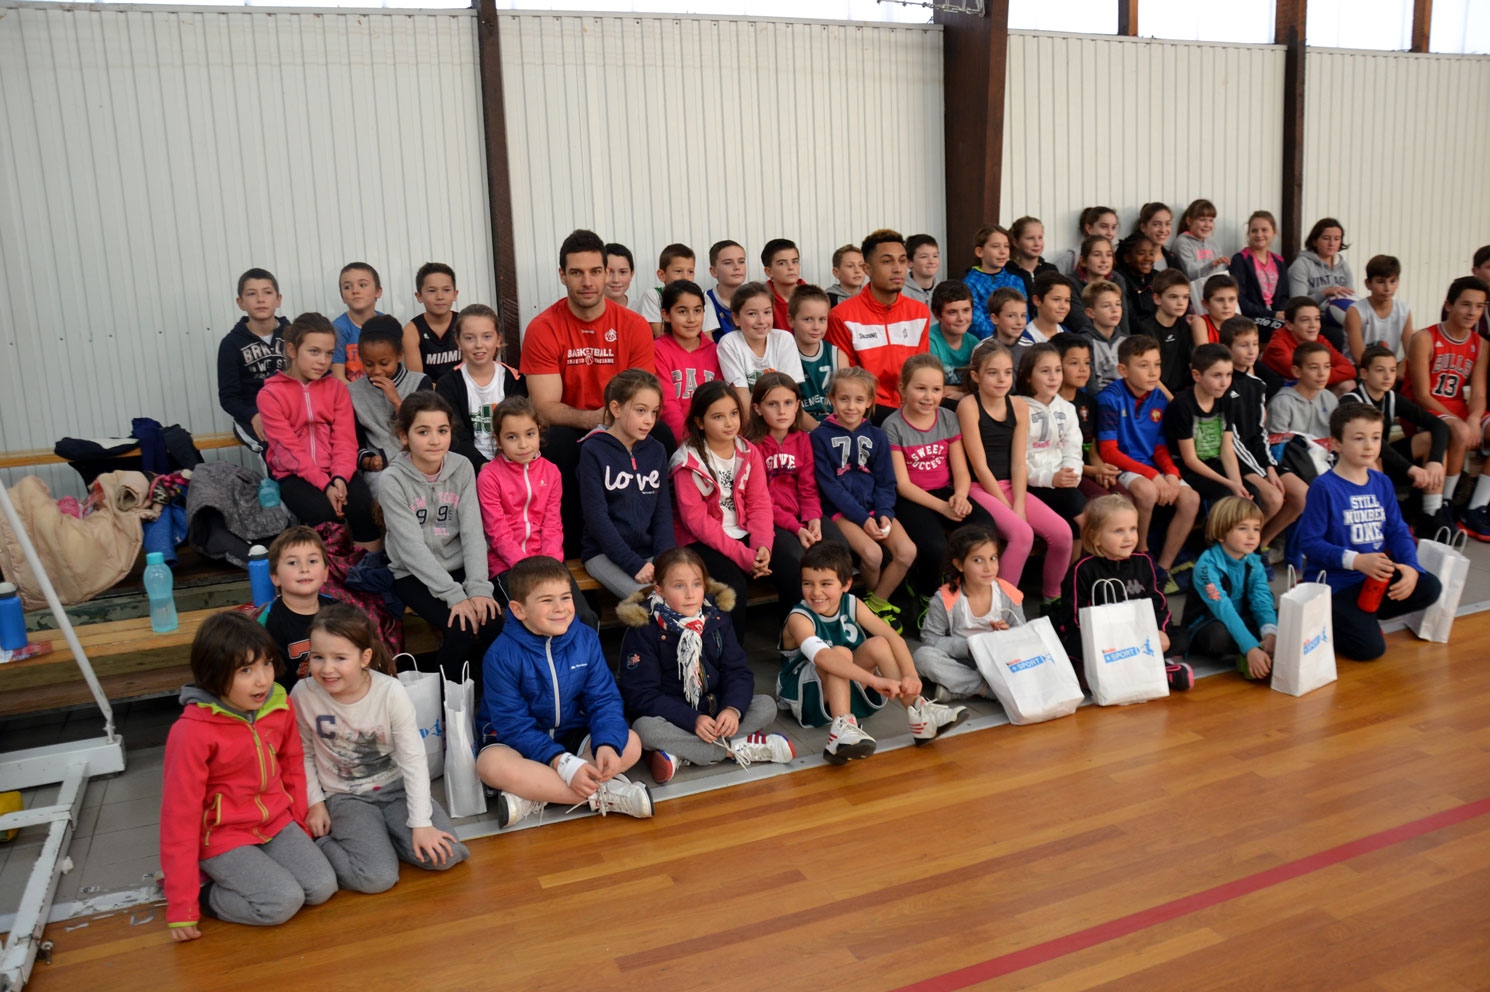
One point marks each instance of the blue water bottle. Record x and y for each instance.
(258, 575)
(12, 618)
(268, 493)
(158, 586)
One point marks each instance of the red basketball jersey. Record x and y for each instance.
(1452, 362)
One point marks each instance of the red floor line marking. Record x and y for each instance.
(1143, 919)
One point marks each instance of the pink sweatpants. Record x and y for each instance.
(1019, 536)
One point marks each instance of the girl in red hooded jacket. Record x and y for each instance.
(232, 812)
(311, 433)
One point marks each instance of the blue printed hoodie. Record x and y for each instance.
(854, 474)
(1342, 520)
(537, 689)
(627, 504)
(983, 285)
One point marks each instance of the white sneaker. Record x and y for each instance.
(621, 795)
(511, 809)
(846, 741)
(928, 720)
(761, 747)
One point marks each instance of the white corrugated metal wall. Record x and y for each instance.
(153, 155)
(1396, 149)
(655, 129)
(1121, 122)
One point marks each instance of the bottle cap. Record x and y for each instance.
(257, 551)
(8, 589)
(155, 558)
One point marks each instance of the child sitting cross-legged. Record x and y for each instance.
(689, 692)
(366, 777)
(552, 725)
(1231, 611)
(840, 662)
(974, 601)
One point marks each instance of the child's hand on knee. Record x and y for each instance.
(318, 820)
(182, 934)
(1163, 641)
(431, 844)
(1258, 663)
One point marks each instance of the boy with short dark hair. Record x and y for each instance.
(808, 312)
(1428, 444)
(783, 265)
(1198, 425)
(1303, 321)
(674, 263)
(552, 724)
(1380, 318)
(1130, 435)
(840, 662)
(1352, 528)
(1103, 300)
(848, 270)
(1219, 301)
(297, 566)
(951, 340)
(1248, 399)
(1305, 407)
(926, 262)
(361, 288)
(377, 396)
(620, 269)
(727, 266)
(1009, 314)
(1167, 325)
(1076, 373)
(250, 353)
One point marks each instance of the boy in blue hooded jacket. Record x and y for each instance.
(552, 725)
(1231, 612)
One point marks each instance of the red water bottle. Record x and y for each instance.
(1372, 590)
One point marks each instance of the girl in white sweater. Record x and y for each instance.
(1054, 452)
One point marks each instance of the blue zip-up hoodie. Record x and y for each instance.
(1224, 588)
(627, 504)
(854, 474)
(537, 689)
(1342, 520)
(983, 285)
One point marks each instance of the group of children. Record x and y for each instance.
(1009, 424)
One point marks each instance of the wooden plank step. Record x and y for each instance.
(45, 456)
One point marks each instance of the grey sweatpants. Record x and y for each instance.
(615, 578)
(370, 835)
(266, 884)
(960, 678)
(660, 734)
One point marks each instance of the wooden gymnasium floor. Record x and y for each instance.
(1232, 838)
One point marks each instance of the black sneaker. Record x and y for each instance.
(1476, 523)
(1432, 525)
(1181, 676)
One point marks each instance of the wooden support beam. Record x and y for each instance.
(975, 51)
(498, 175)
(1127, 18)
(1290, 33)
(1422, 17)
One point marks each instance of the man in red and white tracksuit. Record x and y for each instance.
(880, 328)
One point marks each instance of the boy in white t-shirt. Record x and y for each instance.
(675, 262)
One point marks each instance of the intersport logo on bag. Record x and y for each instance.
(1021, 664)
(1316, 641)
(1111, 655)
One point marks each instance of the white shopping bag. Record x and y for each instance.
(424, 692)
(463, 793)
(1305, 658)
(1445, 559)
(1120, 648)
(1028, 671)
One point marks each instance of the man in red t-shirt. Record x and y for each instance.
(570, 351)
(881, 328)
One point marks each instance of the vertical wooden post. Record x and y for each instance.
(498, 175)
(1127, 18)
(1422, 17)
(1290, 32)
(975, 54)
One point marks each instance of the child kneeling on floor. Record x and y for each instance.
(552, 726)
(974, 601)
(841, 661)
(232, 805)
(365, 772)
(688, 689)
(1230, 612)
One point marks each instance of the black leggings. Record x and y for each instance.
(460, 643)
(1213, 640)
(928, 531)
(561, 446)
(1069, 503)
(312, 507)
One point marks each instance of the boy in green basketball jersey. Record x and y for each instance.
(808, 311)
(840, 662)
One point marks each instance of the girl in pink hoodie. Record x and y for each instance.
(311, 432)
(519, 491)
(723, 506)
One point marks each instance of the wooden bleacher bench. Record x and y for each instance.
(45, 456)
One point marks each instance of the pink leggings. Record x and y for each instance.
(1019, 536)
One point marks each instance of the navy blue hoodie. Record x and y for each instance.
(855, 476)
(626, 500)
(244, 361)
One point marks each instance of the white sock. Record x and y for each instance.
(1481, 494)
(1450, 483)
(1432, 503)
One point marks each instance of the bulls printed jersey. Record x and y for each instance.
(1452, 363)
